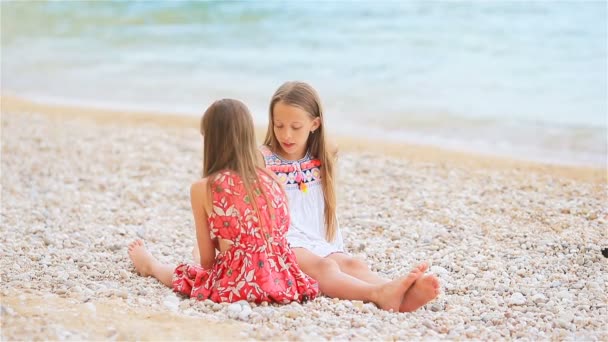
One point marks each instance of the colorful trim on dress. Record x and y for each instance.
(303, 173)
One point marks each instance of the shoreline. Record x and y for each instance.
(413, 152)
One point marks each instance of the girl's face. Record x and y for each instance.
(292, 126)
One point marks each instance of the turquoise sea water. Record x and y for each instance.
(527, 79)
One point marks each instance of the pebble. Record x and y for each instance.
(121, 294)
(244, 314)
(517, 299)
(292, 314)
(369, 307)
(539, 298)
(438, 270)
(234, 308)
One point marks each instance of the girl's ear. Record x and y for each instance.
(316, 123)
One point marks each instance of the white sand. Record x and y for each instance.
(516, 245)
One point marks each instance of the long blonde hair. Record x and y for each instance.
(230, 144)
(302, 95)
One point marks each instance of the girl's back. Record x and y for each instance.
(233, 216)
(258, 266)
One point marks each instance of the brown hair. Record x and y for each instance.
(230, 144)
(302, 95)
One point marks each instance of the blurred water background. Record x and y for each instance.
(524, 79)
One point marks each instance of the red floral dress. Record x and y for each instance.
(260, 266)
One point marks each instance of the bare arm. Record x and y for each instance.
(200, 206)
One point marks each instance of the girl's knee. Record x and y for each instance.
(327, 265)
(355, 264)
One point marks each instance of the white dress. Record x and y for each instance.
(302, 182)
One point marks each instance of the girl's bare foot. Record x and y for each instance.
(423, 291)
(142, 259)
(390, 295)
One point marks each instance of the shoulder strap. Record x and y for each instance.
(269, 156)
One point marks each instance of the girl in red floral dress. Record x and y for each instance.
(241, 211)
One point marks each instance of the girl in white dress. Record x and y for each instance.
(297, 151)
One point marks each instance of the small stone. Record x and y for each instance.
(369, 307)
(292, 314)
(76, 295)
(565, 320)
(121, 294)
(539, 298)
(115, 247)
(47, 240)
(244, 314)
(578, 285)
(124, 274)
(435, 307)
(438, 270)
(356, 323)
(243, 303)
(234, 308)
(556, 283)
(255, 317)
(517, 299)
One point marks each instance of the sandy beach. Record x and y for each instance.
(516, 244)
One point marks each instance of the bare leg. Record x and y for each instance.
(337, 284)
(423, 291)
(357, 268)
(147, 265)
